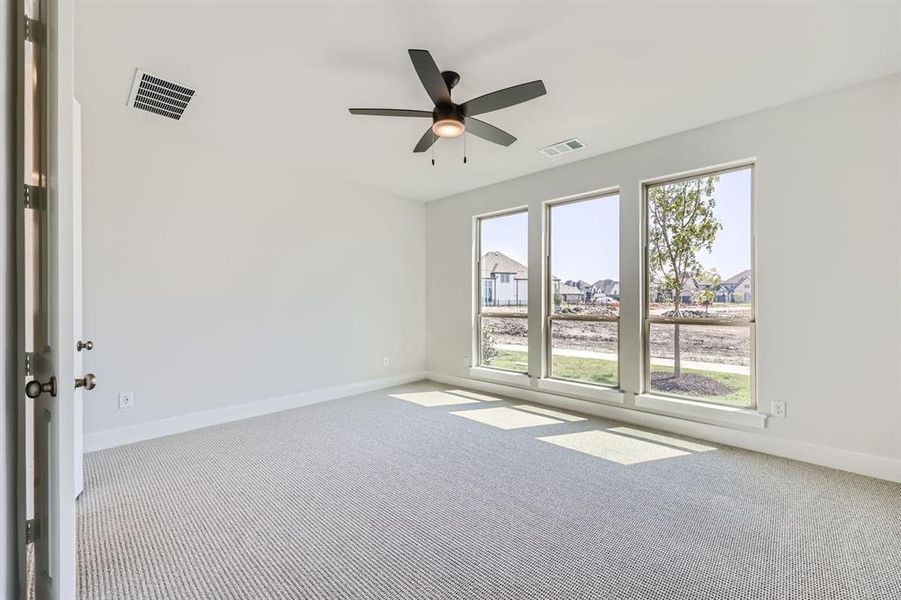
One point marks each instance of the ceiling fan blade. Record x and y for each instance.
(391, 112)
(430, 76)
(426, 141)
(489, 132)
(503, 98)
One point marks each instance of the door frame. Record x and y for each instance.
(10, 525)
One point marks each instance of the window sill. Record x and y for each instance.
(702, 411)
(500, 376)
(583, 391)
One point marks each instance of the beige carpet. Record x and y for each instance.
(421, 493)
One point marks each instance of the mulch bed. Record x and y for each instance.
(689, 383)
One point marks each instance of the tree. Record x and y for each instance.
(681, 225)
(707, 296)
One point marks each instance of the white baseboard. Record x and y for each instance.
(135, 433)
(881, 467)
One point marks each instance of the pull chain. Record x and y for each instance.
(465, 135)
(433, 149)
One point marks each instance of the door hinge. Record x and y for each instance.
(29, 364)
(31, 531)
(34, 31)
(33, 196)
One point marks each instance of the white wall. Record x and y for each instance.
(217, 275)
(828, 208)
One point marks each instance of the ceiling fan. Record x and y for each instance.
(451, 120)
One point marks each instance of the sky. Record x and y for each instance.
(585, 235)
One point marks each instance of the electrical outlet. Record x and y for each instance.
(126, 399)
(778, 409)
(465, 361)
(386, 361)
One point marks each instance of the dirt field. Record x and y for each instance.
(717, 344)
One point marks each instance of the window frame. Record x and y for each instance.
(478, 309)
(648, 320)
(548, 316)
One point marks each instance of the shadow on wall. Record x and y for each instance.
(618, 444)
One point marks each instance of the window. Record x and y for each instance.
(502, 336)
(583, 290)
(699, 320)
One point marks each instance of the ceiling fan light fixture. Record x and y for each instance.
(448, 128)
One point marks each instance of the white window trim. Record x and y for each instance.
(550, 287)
(717, 414)
(500, 376)
(479, 370)
(751, 164)
(582, 391)
(537, 381)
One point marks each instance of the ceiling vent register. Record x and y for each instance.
(562, 147)
(159, 96)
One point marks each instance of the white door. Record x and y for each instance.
(46, 278)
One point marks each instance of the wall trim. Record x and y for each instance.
(109, 438)
(871, 465)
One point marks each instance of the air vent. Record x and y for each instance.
(159, 96)
(562, 147)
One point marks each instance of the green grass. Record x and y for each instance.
(511, 361)
(741, 386)
(593, 370)
(589, 370)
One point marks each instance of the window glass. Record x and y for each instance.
(503, 242)
(699, 247)
(585, 351)
(700, 288)
(504, 343)
(714, 362)
(502, 324)
(584, 294)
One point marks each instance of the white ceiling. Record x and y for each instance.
(276, 79)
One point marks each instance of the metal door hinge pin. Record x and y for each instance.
(33, 196)
(34, 30)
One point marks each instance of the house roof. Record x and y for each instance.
(605, 286)
(736, 279)
(569, 290)
(581, 284)
(498, 262)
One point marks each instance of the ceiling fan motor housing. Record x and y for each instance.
(447, 111)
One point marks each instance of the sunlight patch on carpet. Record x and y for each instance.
(547, 412)
(610, 446)
(506, 418)
(663, 439)
(434, 398)
(474, 395)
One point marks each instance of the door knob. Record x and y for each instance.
(89, 382)
(88, 345)
(35, 388)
